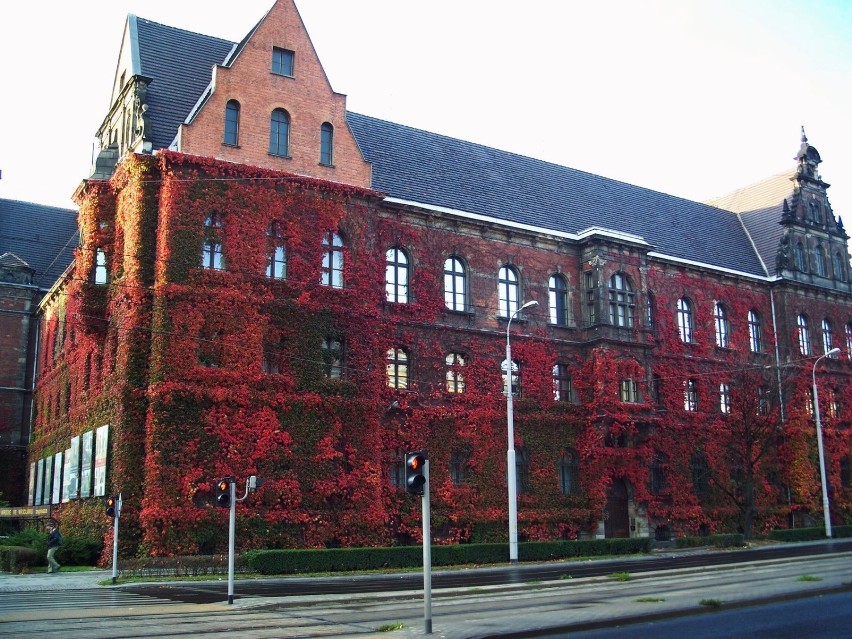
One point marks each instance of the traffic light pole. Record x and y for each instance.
(115, 540)
(427, 555)
(232, 528)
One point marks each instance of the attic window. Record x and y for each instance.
(282, 61)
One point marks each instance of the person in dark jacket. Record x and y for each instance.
(54, 541)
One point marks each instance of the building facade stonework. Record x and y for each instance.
(281, 288)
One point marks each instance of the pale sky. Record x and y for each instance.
(690, 98)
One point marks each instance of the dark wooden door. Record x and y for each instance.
(616, 518)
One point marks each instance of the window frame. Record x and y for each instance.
(327, 144)
(569, 472)
(622, 302)
(690, 396)
(454, 362)
(628, 391)
(332, 351)
(231, 131)
(397, 275)
(515, 380)
(799, 256)
(725, 398)
(397, 368)
(508, 292)
(558, 300)
(455, 284)
(563, 383)
(212, 256)
(100, 274)
(279, 133)
(803, 333)
(754, 332)
(331, 271)
(827, 337)
(276, 263)
(279, 56)
(685, 325)
(722, 325)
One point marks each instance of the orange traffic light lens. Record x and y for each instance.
(223, 485)
(414, 463)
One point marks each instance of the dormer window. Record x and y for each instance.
(282, 61)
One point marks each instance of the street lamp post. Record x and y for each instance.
(510, 454)
(825, 510)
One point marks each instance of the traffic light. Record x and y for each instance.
(415, 469)
(111, 506)
(223, 492)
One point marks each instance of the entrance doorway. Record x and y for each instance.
(616, 517)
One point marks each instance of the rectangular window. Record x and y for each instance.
(282, 61)
(100, 267)
(629, 391)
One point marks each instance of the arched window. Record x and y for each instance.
(569, 472)
(690, 395)
(455, 373)
(332, 260)
(276, 265)
(396, 276)
(508, 292)
(725, 398)
(279, 133)
(804, 336)
(326, 144)
(799, 254)
(620, 301)
(455, 284)
(720, 316)
(558, 296)
(657, 473)
(754, 337)
(684, 320)
(232, 123)
(819, 255)
(397, 368)
(838, 268)
(100, 274)
(563, 386)
(516, 378)
(650, 311)
(211, 254)
(827, 340)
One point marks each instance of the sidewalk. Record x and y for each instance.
(60, 581)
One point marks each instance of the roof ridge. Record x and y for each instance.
(528, 157)
(189, 31)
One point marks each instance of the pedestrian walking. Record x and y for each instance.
(54, 541)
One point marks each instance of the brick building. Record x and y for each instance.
(36, 245)
(270, 284)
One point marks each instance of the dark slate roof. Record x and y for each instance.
(44, 237)
(424, 167)
(760, 207)
(180, 63)
(433, 169)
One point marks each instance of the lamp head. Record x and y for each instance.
(833, 351)
(535, 303)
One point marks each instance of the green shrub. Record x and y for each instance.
(79, 551)
(809, 534)
(719, 541)
(347, 559)
(17, 558)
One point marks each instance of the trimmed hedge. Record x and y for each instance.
(809, 534)
(717, 541)
(291, 561)
(18, 558)
(74, 551)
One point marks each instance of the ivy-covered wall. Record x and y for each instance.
(203, 373)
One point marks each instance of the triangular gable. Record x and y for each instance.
(306, 96)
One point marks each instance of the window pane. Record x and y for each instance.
(326, 143)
